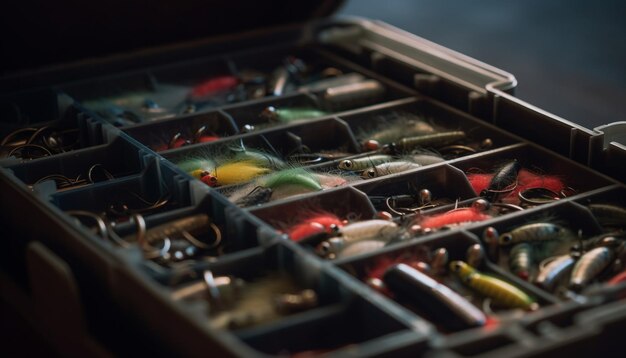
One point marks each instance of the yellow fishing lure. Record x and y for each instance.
(238, 172)
(501, 293)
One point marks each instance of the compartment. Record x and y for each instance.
(239, 160)
(356, 328)
(83, 167)
(560, 249)
(183, 131)
(209, 82)
(355, 206)
(157, 189)
(188, 294)
(541, 176)
(419, 276)
(44, 122)
(192, 236)
(608, 206)
(276, 111)
(433, 125)
(129, 98)
(420, 189)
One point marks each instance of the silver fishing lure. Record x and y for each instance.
(365, 162)
(361, 247)
(370, 229)
(388, 168)
(589, 266)
(555, 269)
(533, 233)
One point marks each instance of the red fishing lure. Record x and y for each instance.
(315, 224)
(214, 86)
(452, 217)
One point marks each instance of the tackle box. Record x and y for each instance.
(95, 161)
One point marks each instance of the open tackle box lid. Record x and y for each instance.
(39, 33)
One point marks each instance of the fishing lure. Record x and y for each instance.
(500, 292)
(519, 186)
(365, 162)
(273, 114)
(429, 140)
(238, 172)
(436, 300)
(590, 265)
(554, 271)
(503, 180)
(388, 168)
(403, 124)
(360, 247)
(370, 229)
(452, 217)
(341, 80)
(521, 260)
(296, 177)
(213, 86)
(536, 232)
(319, 222)
(352, 95)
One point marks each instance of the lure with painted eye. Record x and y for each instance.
(501, 292)
(208, 179)
(555, 270)
(590, 265)
(388, 168)
(322, 222)
(238, 172)
(273, 114)
(533, 233)
(521, 260)
(365, 162)
(433, 298)
(195, 167)
(430, 140)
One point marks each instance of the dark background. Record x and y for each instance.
(569, 56)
